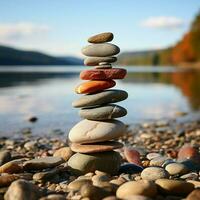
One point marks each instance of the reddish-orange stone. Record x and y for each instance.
(94, 86)
(187, 152)
(102, 74)
(132, 156)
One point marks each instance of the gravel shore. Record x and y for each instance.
(160, 160)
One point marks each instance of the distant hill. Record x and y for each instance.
(11, 56)
(185, 52)
(150, 57)
(72, 59)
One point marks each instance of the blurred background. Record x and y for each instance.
(40, 59)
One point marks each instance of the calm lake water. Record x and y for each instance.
(47, 92)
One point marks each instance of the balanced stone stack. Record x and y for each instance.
(93, 138)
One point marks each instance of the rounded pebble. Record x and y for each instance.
(104, 97)
(100, 50)
(84, 163)
(103, 112)
(154, 173)
(174, 187)
(88, 131)
(142, 187)
(94, 86)
(102, 37)
(176, 168)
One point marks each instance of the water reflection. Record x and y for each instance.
(153, 93)
(187, 81)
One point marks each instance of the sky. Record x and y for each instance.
(61, 27)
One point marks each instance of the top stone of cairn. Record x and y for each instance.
(102, 37)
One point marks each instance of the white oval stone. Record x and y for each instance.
(88, 131)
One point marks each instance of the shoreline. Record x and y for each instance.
(163, 138)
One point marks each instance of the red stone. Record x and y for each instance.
(132, 156)
(102, 74)
(187, 152)
(94, 86)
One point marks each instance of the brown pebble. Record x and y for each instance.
(194, 195)
(102, 37)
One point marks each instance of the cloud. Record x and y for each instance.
(163, 22)
(16, 31)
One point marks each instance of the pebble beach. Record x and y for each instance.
(101, 157)
(160, 160)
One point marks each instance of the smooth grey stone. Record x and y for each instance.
(103, 112)
(92, 61)
(101, 50)
(104, 97)
(108, 162)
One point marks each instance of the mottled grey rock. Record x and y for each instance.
(103, 112)
(101, 50)
(104, 97)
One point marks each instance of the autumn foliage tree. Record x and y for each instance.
(188, 49)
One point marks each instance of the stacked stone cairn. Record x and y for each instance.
(93, 138)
